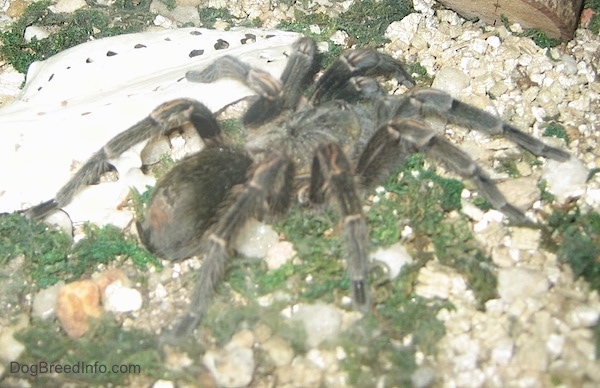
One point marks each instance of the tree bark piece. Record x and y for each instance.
(557, 18)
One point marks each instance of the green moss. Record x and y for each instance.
(377, 341)
(140, 201)
(69, 29)
(419, 73)
(576, 239)
(105, 344)
(234, 130)
(51, 257)
(422, 199)
(539, 37)
(365, 22)
(45, 249)
(102, 245)
(555, 129)
(209, 15)
(509, 166)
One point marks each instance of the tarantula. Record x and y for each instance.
(345, 138)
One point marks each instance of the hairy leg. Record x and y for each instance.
(332, 176)
(161, 121)
(427, 102)
(346, 75)
(393, 143)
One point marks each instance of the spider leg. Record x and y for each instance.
(266, 192)
(338, 81)
(332, 175)
(261, 82)
(163, 119)
(274, 96)
(435, 102)
(393, 143)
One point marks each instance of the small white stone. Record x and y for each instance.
(118, 298)
(163, 384)
(163, 22)
(10, 348)
(502, 351)
(339, 38)
(451, 80)
(241, 339)
(45, 301)
(35, 32)
(404, 30)
(525, 238)
(494, 41)
(69, 6)
(582, 316)
(231, 368)
(555, 344)
(255, 238)
(520, 283)
(566, 179)
(315, 29)
(321, 322)
(423, 377)
(279, 254)
(394, 258)
(437, 281)
(531, 353)
(279, 350)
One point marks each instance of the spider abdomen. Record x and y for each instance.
(186, 201)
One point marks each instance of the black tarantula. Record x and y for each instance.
(346, 137)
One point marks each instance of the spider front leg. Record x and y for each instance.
(268, 192)
(161, 121)
(332, 175)
(350, 76)
(274, 96)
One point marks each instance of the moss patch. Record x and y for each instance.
(105, 355)
(50, 255)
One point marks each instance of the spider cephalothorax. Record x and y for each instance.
(345, 137)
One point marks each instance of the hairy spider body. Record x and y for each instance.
(346, 137)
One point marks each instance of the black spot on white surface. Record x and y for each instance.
(89, 60)
(195, 32)
(250, 38)
(139, 45)
(221, 44)
(111, 53)
(196, 53)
